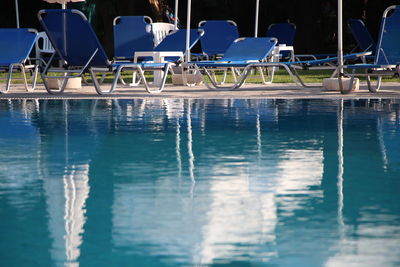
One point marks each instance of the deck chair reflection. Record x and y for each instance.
(387, 56)
(15, 47)
(77, 45)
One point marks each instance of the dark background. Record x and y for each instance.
(315, 20)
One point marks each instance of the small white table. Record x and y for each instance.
(158, 57)
(282, 47)
(276, 55)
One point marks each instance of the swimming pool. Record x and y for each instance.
(200, 182)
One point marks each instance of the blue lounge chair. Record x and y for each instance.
(387, 56)
(242, 53)
(361, 34)
(176, 42)
(131, 33)
(284, 32)
(15, 47)
(77, 45)
(218, 36)
(251, 53)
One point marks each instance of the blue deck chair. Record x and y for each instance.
(361, 34)
(387, 56)
(131, 33)
(173, 42)
(250, 55)
(285, 33)
(77, 45)
(15, 47)
(176, 42)
(218, 36)
(240, 54)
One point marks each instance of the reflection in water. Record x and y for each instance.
(340, 168)
(65, 186)
(190, 146)
(186, 182)
(66, 225)
(364, 244)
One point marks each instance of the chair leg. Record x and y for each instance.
(163, 81)
(97, 86)
(271, 76)
(215, 86)
(8, 82)
(33, 77)
(372, 88)
(296, 77)
(59, 90)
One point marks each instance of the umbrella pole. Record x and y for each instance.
(188, 31)
(17, 12)
(340, 43)
(176, 14)
(256, 20)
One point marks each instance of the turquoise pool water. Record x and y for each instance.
(200, 183)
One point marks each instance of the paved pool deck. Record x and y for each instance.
(248, 91)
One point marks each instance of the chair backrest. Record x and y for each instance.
(177, 41)
(250, 49)
(72, 37)
(16, 45)
(160, 30)
(388, 48)
(284, 32)
(218, 36)
(132, 33)
(361, 35)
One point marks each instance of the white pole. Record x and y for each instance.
(188, 31)
(176, 13)
(64, 5)
(340, 38)
(17, 12)
(256, 22)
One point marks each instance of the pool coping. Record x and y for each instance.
(389, 90)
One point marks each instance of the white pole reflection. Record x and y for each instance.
(381, 142)
(340, 167)
(66, 200)
(76, 192)
(66, 194)
(258, 126)
(190, 141)
(178, 147)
